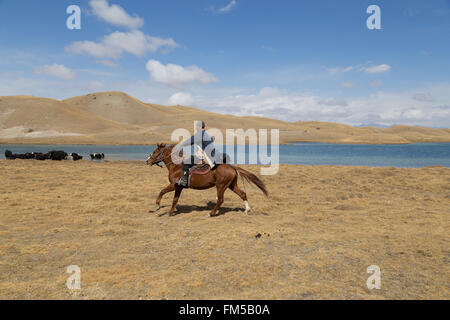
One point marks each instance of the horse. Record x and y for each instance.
(222, 176)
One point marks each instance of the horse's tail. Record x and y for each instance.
(250, 177)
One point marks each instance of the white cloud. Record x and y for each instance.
(115, 44)
(348, 85)
(181, 98)
(136, 42)
(228, 7)
(175, 75)
(115, 14)
(377, 69)
(337, 70)
(56, 70)
(383, 108)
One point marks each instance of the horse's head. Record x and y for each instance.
(158, 155)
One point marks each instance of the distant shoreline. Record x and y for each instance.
(374, 155)
(155, 143)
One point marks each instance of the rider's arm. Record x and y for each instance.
(207, 137)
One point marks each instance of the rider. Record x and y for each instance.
(202, 140)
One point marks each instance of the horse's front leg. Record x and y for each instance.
(167, 189)
(220, 192)
(178, 190)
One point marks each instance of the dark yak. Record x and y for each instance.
(57, 155)
(41, 156)
(74, 157)
(97, 156)
(11, 156)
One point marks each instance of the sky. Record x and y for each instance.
(289, 59)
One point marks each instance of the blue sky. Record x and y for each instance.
(291, 60)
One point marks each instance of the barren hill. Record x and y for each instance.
(117, 118)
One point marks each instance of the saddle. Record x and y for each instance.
(200, 169)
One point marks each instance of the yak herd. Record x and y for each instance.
(51, 155)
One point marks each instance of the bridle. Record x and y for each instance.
(161, 162)
(154, 159)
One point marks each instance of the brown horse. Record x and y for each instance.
(223, 176)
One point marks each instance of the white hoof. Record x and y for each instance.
(157, 208)
(247, 207)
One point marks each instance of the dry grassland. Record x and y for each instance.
(319, 231)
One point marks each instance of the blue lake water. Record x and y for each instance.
(398, 155)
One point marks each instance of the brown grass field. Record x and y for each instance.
(320, 229)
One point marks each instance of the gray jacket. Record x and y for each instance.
(204, 141)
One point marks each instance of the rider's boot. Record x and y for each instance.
(184, 177)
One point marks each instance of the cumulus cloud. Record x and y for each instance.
(382, 68)
(115, 14)
(56, 70)
(176, 75)
(383, 108)
(115, 44)
(181, 98)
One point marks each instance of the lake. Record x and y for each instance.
(394, 155)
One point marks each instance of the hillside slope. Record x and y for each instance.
(117, 118)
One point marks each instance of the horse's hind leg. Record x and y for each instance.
(167, 189)
(178, 190)
(234, 187)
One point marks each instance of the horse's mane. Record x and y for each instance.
(168, 149)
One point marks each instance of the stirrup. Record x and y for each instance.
(182, 183)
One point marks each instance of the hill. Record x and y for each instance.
(117, 118)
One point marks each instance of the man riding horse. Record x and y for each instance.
(222, 175)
